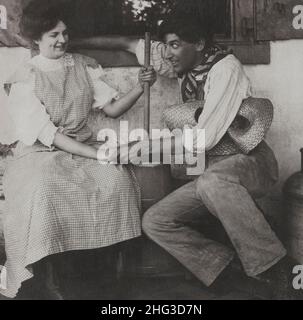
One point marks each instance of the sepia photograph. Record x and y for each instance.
(151, 150)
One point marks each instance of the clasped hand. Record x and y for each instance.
(134, 152)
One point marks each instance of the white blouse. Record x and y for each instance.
(226, 87)
(29, 118)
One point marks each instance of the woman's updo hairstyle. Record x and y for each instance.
(41, 16)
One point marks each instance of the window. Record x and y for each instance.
(241, 24)
(233, 23)
(133, 17)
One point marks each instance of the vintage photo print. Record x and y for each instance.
(151, 150)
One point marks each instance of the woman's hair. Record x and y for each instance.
(40, 16)
(188, 26)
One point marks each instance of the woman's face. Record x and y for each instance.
(53, 44)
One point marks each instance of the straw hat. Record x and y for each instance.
(245, 133)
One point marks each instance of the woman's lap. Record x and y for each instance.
(56, 202)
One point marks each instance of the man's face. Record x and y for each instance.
(183, 55)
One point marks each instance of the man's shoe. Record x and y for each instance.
(279, 279)
(228, 279)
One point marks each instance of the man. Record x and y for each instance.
(234, 176)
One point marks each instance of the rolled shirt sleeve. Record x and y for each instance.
(103, 93)
(157, 58)
(30, 118)
(225, 88)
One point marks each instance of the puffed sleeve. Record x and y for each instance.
(29, 116)
(103, 93)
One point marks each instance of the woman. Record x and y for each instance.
(58, 197)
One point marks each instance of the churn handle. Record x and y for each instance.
(146, 85)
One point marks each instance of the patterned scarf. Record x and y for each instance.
(193, 82)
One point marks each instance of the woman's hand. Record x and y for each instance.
(147, 75)
(71, 145)
(134, 152)
(117, 107)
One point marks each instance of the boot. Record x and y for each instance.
(279, 278)
(48, 281)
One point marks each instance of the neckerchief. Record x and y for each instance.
(193, 82)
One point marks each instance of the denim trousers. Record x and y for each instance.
(226, 190)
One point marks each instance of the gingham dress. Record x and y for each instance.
(56, 201)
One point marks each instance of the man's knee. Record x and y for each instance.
(213, 181)
(148, 220)
(206, 181)
(156, 218)
(152, 219)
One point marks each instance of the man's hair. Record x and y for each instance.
(188, 27)
(41, 16)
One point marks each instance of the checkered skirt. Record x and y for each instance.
(56, 201)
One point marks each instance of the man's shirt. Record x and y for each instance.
(226, 87)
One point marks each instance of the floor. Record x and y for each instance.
(153, 288)
(87, 275)
(158, 289)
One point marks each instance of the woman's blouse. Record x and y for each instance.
(30, 119)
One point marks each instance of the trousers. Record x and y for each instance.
(226, 190)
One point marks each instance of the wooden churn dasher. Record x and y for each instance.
(143, 257)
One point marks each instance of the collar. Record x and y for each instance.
(46, 64)
(208, 54)
(196, 73)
